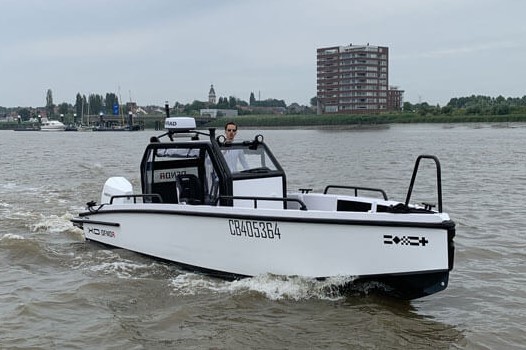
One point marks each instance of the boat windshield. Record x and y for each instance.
(240, 168)
(243, 158)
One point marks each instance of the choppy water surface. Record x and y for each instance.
(57, 291)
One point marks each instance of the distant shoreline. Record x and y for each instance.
(359, 121)
(328, 122)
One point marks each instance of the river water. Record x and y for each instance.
(59, 292)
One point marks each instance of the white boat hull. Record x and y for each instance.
(250, 242)
(51, 125)
(52, 129)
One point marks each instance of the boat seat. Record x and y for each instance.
(189, 189)
(167, 191)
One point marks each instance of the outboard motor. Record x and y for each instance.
(116, 186)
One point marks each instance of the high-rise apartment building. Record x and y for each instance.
(353, 79)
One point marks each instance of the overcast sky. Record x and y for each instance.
(152, 51)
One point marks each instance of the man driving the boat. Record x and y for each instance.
(233, 157)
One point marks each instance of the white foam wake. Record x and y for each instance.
(11, 236)
(270, 286)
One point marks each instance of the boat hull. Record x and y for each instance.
(53, 128)
(410, 254)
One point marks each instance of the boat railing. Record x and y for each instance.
(439, 179)
(135, 196)
(356, 189)
(284, 200)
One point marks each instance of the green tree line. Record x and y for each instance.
(94, 104)
(471, 105)
(230, 102)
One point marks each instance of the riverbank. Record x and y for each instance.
(359, 120)
(330, 121)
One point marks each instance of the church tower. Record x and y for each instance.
(212, 95)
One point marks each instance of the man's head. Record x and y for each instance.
(230, 131)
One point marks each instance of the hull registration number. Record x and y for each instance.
(254, 229)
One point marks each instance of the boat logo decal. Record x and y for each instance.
(101, 232)
(406, 240)
(254, 229)
(169, 175)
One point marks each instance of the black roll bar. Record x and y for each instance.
(439, 179)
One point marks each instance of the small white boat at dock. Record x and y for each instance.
(51, 125)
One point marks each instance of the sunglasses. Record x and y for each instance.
(231, 130)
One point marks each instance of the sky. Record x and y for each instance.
(155, 51)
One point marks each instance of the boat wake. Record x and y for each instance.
(112, 263)
(126, 269)
(51, 223)
(11, 237)
(270, 286)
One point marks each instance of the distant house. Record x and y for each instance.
(214, 112)
(131, 107)
(266, 110)
(296, 108)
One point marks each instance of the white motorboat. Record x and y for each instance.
(51, 125)
(199, 210)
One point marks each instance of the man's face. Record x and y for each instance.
(230, 132)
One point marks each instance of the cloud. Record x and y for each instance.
(175, 49)
(453, 52)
